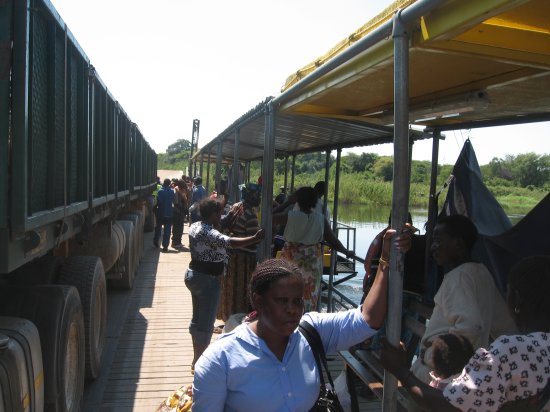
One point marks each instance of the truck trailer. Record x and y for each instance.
(76, 182)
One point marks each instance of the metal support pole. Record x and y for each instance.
(201, 164)
(208, 172)
(217, 178)
(235, 178)
(65, 131)
(292, 173)
(267, 186)
(286, 176)
(430, 284)
(400, 202)
(330, 304)
(194, 147)
(327, 176)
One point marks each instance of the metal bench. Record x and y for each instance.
(363, 364)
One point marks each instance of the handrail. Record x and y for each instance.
(331, 287)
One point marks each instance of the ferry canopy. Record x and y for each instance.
(294, 134)
(470, 61)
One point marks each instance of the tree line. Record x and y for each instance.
(367, 177)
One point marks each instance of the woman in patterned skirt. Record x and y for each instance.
(240, 221)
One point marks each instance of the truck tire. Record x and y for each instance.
(149, 224)
(72, 360)
(127, 258)
(87, 275)
(25, 334)
(57, 313)
(141, 215)
(138, 235)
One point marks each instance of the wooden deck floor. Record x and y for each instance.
(148, 350)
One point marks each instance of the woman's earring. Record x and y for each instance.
(516, 310)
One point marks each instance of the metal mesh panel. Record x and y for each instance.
(96, 140)
(110, 146)
(38, 133)
(72, 138)
(132, 158)
(59, 122)
(99, 142)
(139, 159)
(123, 129)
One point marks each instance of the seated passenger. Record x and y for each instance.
(513, 374)
(467, 302)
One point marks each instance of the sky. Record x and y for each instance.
(171, 61)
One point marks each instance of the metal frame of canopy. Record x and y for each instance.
(245, 139)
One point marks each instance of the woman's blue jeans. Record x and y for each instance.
(205, 295)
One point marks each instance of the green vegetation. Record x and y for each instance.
(176, 156)
(518, 182)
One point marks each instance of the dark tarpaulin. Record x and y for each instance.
(469, 196)
(500, 245)
(527, 238)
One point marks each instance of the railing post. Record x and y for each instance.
(400, 202)
(217, 178)
(208, 171)
(330, 303)
(429, 283)
(267, 187)
(235, 178)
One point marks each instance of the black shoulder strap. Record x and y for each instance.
(314, 340)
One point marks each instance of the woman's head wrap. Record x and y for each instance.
(251, 193)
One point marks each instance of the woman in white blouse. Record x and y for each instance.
(305, 229)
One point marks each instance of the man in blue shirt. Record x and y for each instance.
(199, 193)
(165, 200)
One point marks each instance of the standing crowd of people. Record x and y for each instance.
(480, 351)
(176, 202)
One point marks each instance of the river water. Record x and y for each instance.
(368, 221)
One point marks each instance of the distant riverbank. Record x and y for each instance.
(357, 189)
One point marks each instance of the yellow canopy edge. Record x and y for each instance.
(366, 28)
